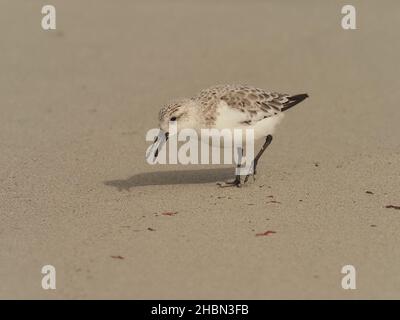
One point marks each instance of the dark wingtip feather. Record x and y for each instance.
(293, 100)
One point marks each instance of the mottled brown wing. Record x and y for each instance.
(258, 103)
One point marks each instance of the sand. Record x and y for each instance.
(77, 193)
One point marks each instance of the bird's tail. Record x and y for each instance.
(293, 100)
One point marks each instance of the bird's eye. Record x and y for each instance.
(173, 119)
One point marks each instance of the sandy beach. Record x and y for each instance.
(77, 193)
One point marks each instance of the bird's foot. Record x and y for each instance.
(253, 174)
(231, 183)
(247, 178)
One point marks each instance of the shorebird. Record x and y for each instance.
(228, 107)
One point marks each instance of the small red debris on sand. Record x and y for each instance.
(369, 192)
(266, 233)
(390, 206)
(169, 213)
(117, 257)
(273, 201)
(151, 229)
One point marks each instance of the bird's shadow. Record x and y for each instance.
(172, 177)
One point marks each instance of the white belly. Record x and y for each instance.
(230, 118)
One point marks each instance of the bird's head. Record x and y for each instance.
(180, 113)
(173, 117)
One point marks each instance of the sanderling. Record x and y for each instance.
(229, 107)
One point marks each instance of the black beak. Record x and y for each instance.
(157, 150)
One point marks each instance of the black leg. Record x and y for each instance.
(236, 182)
(232, 183)
(267, 142)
